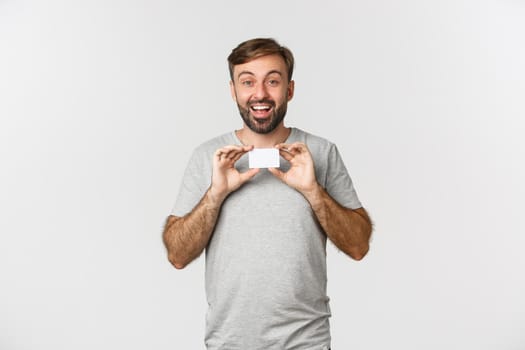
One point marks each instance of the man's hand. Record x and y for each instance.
(349, 229)
(226, 178)
(186, 237)
(301, 174)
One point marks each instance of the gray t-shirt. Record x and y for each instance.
(266, 260)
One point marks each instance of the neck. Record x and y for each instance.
(249, 137)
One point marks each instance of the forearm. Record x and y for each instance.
(186, 237)
(348, 229)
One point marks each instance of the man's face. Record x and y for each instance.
(262, 91)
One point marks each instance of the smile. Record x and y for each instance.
(260, 108)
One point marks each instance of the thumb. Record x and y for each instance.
(247, 175)
(277, 173)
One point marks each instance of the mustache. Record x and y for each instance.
(263, 101)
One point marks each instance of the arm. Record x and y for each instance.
(186, 237)
(348, 229)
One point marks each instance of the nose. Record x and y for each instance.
(260, 92)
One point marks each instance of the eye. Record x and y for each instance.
(273, 82)
(247, 83)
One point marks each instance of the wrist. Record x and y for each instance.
(215, 197)
(313, 194)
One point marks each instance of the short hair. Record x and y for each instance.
(255, 48)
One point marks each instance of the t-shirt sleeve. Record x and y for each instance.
(194, 185)
(338, 182)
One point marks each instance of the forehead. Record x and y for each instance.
(261, 66)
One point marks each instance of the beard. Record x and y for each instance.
(263, 127)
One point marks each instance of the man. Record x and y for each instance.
(265, 231)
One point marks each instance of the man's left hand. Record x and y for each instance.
(301, 174)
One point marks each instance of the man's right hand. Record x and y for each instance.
(226, 178)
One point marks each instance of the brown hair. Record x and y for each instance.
(255, 48)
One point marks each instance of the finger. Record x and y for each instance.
(232, 154)
(297, 147)
(227, 153)
(247, 175)
(281, 145)
(233, 151)
(238, 156)
(219, 156)
(286, 154)
(248, 148)
(290, 148)
(229, 148)
(235, 155)
(244, 149)
(218, 153)
(222, 152)
(277, 173)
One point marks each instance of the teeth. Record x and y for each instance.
(260, 108)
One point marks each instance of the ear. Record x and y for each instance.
(232, 91)
(291, 88)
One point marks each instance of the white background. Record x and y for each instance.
(101, 103)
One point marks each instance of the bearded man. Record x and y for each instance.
(265, 230)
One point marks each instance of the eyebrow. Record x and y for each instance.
(274, 71)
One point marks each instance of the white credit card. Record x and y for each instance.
(264, 158)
